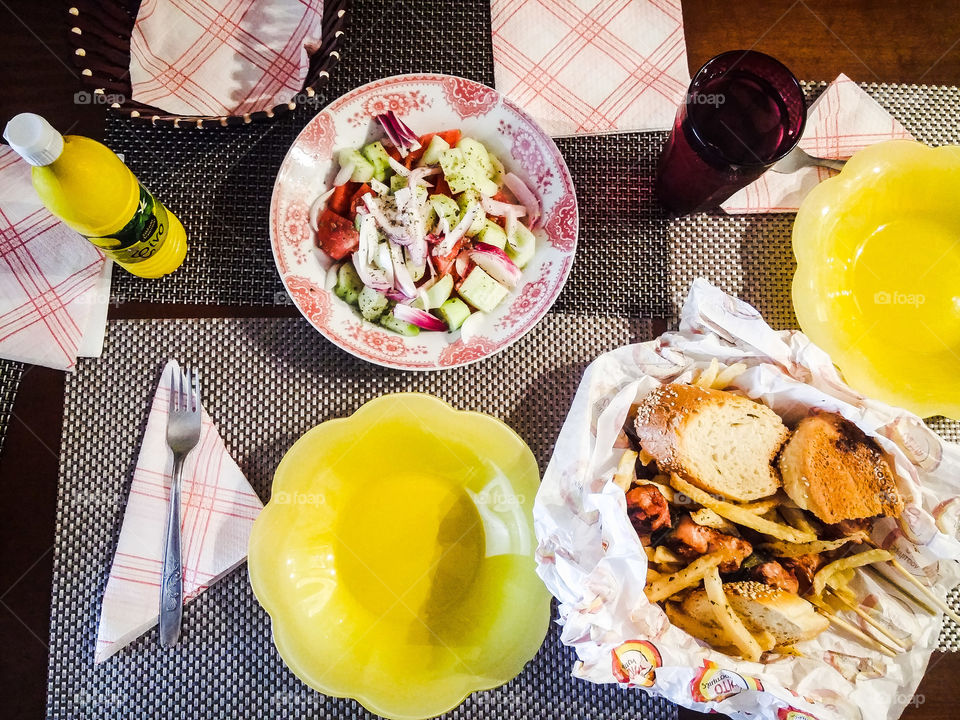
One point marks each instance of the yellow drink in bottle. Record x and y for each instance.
(89, 188)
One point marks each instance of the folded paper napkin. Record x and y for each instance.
(201, 57)
(591, 66)
(54, 285)
(841, 121)
(217, 511)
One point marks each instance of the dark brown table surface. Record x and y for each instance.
(869, 40)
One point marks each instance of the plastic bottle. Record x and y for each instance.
(87, 186)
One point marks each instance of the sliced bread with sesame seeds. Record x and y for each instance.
(785, 615)
(831, 468)
(720, 442)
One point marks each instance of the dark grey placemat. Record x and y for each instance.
(10, 374)
(266, 382)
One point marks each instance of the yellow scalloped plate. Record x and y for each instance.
(396, 556)
(878, 274)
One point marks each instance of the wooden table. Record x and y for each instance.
(869, 40)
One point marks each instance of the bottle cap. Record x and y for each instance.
(33, 138)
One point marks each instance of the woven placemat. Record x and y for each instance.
(268, 381)
(10, 374)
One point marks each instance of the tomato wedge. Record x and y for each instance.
(452, 137)
(337, 236)
(339, 202)
(444, 264)
(357, 198)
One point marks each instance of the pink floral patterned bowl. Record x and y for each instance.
(426, 103)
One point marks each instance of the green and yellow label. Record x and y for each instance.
(140, 238)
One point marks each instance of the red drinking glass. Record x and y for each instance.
(743, 112)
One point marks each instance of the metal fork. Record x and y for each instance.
(799, 158)
(183, 432)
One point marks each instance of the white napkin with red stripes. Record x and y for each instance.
(591, 66)
(54, 284)
(202, 57)
(841, 121)
(218, 508)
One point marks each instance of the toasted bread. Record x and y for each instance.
(722, 443)
(785, 615)
(831, 468)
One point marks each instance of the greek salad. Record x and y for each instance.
(425, 231)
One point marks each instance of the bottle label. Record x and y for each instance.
(140, 238)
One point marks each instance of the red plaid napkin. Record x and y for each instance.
(218, 508)
(54, 285)
(841, 121)
(591, 66)
(202, 57)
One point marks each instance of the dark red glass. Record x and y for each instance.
(743, 112)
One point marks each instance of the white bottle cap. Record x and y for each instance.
(34, 139)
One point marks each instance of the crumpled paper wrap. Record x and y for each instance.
(590, 558)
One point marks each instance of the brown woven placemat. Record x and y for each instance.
(268, 381)
(10, 374)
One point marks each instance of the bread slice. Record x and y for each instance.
(831, 468)
(718, 441)
(786, 616)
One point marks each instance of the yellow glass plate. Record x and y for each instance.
(396, 556)
(878, 274)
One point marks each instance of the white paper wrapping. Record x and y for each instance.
(592, 561)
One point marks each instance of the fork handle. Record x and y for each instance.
(171, 584)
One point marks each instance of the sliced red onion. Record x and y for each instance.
(462, 264)
(433, 238)
(525, 195)
(396, 296)
(495, 207)
(401, 276)
(511, 229)
(421, 318)
(346, 172)
(403, 138)
(417, 175)
(471, 326)
(451, 238)
(313, 214)
(382, 220)
(494, 261)
(371, 275)
(330, 281)
(398, 168)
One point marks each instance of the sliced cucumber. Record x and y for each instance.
(377, 156)
(362, 168)
(453, 312)
(431, 156)
(481, 290)
(349, 284)
(521, 247)
(492, 234)
(446, 207)
(372, 303)
(462, 174)
(476, 154)
(471, 199)
(498, 169)
(397, 182)
(439, 292)
(390, 322)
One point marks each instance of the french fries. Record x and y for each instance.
(737, 514)
(761, 507)
(792, 550)
(827, 572)
(796, 518)
(684, 578)
(707, 376)
(710, 634)
(626, 470)
(712, 377)
(708, 518)
(727, 619)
